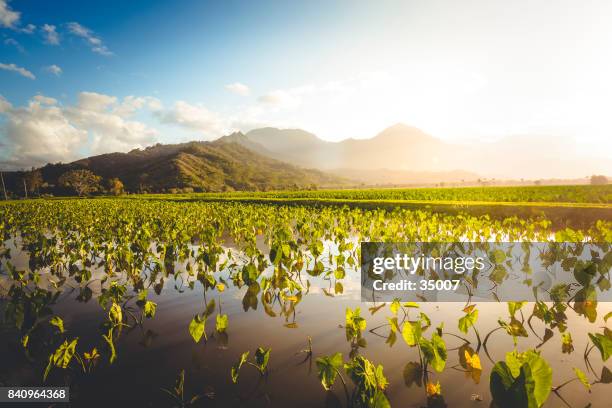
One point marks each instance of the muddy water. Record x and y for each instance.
(150, 357)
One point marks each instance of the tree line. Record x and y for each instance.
(80, 182)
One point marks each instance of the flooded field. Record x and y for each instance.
(154, 303)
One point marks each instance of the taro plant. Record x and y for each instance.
(369, 380)
(522, 380)
(260, 362)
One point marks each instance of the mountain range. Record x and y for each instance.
(273, 159)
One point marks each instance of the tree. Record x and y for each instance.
(81, 181)
(115, 186)
(598, 180)
(33, 180)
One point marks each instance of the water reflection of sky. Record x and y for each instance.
(150, 358)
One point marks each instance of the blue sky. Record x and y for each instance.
(85, 77)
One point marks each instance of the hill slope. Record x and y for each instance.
(222, 165)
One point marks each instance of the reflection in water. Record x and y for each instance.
(161, 322)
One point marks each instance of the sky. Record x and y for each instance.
(88, 77)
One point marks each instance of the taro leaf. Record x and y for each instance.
(380, 400)
(513, 307)
(411, 332)
(394, 324)
(115, 314)
(425, 321)
(338, 288)
(585, 303)
(515, 328)
(395, 306)
(538, 375)
(606, 375)
(196, 328)
(328, 367)
(507, 391)
(149, 309)
(413, 374)
(603, 344)
(57, 322)
(369, 381)
(65, 352)
(262, 356)
(221, 323)
(375, 309)
(468, 320)
(567, 346)
(583, 378)
(62, 356)
(585, 272)
(236, 367)
(434, 352)
(250, 297)
(210, 308)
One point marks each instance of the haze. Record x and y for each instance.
(531, 78)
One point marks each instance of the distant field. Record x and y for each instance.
(584, 194)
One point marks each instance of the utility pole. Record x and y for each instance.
(3, 186)
(25, 189)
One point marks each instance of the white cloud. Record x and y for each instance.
(14, 43)
(14, 68)
(8, 17)
(39, 133)
(286, 98)
(94, 41)
(194, 117)
(54, 69)
(238, 88)
(45, 131)
(28, 29)
(51, 36)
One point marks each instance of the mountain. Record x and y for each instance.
(221, 165)
(400, 154)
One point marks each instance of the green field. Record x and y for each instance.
(582, 194)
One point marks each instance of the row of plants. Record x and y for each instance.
(117, 252)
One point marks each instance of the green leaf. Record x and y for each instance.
(411, 332)
(115, 314)
(513, 307)
(61, 357)
(413, 374)
(328, 367)
(149, 309)
(539, 373)
(434, 352)
(221, 323)
(57, 322)
(468, 320)
(603, 344)
(583, 378)
(262, 356)
(236, 367)
(196, 328)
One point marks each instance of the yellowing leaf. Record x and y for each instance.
(473, 360)
(433, 389)
(220, 287)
